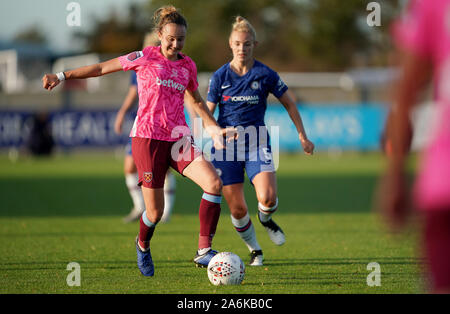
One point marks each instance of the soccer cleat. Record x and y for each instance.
(144, 261)
(203, 260)
(256, 258)
(134, 215)
(275, 233)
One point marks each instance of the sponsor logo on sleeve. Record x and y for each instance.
(135, 55)
(281, 84)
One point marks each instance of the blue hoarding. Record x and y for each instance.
(329, 127)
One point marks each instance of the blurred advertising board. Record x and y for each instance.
(338, 127)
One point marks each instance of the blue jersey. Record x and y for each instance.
(242, 100)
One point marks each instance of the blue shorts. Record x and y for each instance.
(128, 147)
(231, 163)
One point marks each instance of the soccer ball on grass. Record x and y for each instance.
(226, 268)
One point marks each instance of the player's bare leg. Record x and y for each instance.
(204, 175)
(131, 180)
(234, 195)
(169, 195)
(265, 184)
(154, 203)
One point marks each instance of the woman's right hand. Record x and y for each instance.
(50, 81)
(218, 134)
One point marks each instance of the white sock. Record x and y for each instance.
(131, 180)
(246, 231)
(265, 213)
(169, 195)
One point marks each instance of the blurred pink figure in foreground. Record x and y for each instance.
(423, 41)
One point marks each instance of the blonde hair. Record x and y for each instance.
(243, 25)
(151, 39)
(166, 15)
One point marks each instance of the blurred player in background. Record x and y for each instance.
(130, 170)
(241, 88)
(423, 40)
(386, 142)
(40, 141)
(160, 135)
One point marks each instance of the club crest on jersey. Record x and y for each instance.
(254, 85)
(148, 176)
(135, 55)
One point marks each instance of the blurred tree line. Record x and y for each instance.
(293, 35)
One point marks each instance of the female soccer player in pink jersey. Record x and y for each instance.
(160, 136)
(423, 38)
(130, 170)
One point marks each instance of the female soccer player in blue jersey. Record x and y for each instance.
(241, 88)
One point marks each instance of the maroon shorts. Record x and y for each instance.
(437, 247)
(154, 157)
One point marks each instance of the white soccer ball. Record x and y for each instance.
(226, 268)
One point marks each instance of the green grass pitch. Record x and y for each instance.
(69, 208)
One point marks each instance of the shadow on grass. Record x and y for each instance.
(183, 263)
(72, 197)
(122, 264)
(401, 260)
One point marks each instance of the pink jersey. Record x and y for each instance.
(425, 31)
(161, 87)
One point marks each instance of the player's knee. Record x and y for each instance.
(268, 199)
(155, 215)
(128, 171)
(129, 166)
(239, 211)
(215, 186)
